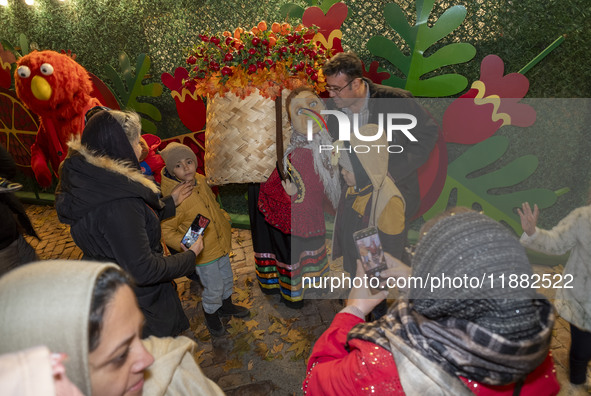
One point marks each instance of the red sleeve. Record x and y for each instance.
(541, 381)
(39, 158)
(364, 368)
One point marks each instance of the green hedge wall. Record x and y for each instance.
(516, 30)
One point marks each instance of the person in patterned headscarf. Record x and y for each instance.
(448, 340)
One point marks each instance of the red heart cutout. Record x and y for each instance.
(333, 19)
(513, 85)
(175, 83)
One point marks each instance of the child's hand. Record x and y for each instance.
(529, 218)
(181, 192)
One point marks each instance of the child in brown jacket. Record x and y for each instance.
(213, 264)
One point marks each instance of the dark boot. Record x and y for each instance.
(293, 304)
(214, 324)
(229, 309)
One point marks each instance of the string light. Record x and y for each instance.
(29, 2)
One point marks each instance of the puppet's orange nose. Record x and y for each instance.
(41, 88)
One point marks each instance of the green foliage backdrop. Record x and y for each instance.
(516, 30)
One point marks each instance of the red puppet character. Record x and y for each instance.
(57, 89)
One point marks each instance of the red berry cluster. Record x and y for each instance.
(256, 53)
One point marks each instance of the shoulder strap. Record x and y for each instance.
(279, 135)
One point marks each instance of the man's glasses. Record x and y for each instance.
(337, 90)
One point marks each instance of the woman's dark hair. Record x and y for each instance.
(105, 287)
(105, 135)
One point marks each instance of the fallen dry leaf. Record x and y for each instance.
(262, 350)
(278, 348)
(299, 348)
(251, 324)
(232, 364)
(199, 358)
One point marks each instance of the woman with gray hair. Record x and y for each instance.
(114, 213)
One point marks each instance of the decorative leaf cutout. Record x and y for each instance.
(24, 43)
(419, 38)
(130, 87)
(472, 190)
(291, 10)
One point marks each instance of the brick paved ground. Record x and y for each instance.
(264, 354)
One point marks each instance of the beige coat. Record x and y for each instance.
(573, 233)
(217, 238)
(175, 372)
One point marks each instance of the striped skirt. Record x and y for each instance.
(282, 260)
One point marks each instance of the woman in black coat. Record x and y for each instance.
(114, 212)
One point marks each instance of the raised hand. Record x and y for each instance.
(529, 218)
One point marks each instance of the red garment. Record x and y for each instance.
(306, 206)
(365, 368)
(153, 163)
(51, 142)
(275, 204)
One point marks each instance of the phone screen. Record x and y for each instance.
(197, 228)
(370, 251)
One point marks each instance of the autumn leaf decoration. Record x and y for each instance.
(262, 58)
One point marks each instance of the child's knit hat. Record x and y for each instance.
(175, 152)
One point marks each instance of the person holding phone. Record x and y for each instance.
(114, 213)
(370, 199)
(446, 341)
(213, 265)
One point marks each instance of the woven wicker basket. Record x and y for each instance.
(240, 138)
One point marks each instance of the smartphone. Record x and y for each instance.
(197, 228)
(371, 254)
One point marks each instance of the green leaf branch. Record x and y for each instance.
(419, 38)
(476, 190)
(128, 87)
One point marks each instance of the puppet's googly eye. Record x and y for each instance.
(46, 69)
(300, 112)
(313, 104)
(24, 72)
